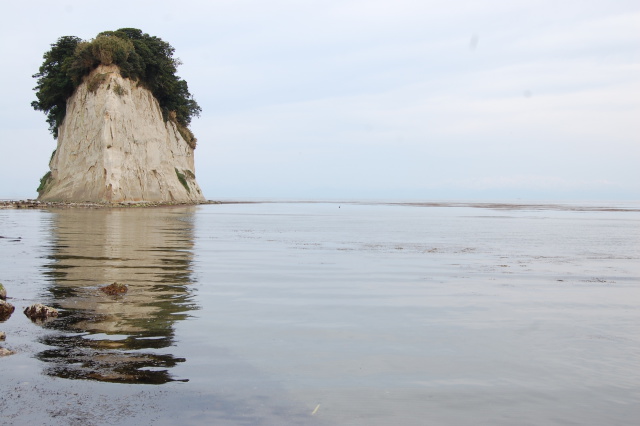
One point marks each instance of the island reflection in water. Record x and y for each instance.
(124, 338)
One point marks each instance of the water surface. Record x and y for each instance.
(325, 313)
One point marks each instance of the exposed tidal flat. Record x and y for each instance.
(324, 313)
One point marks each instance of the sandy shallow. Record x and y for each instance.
(324, 313)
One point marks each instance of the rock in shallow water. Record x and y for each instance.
(38, 311)
(114, 289)
(5, 352)
(6, 309)
(3, 292)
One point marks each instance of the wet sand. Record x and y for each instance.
(324, 313)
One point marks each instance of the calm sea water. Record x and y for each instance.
(324, 313)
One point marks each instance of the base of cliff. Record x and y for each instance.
(37, 204)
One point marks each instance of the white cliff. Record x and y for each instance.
(114, 146)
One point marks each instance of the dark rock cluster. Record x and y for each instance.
(6, 309)
(38, 311)
(114, 289)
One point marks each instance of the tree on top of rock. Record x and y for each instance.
(140, 57)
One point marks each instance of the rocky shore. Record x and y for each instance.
(36, 204)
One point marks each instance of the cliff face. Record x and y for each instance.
(114, 146)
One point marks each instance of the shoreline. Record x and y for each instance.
(36, 204)
(535, 206)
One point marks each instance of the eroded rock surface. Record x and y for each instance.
(115, 146)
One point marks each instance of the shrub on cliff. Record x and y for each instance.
(140, 57)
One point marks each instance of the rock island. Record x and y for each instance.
(120, 116)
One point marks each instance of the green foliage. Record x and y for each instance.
(54, 85)
(140, 57)
(183, 179)
(43, 182)
(187, 135)
(119, 90)
(184, 131)
(104, 49)
(96, 81)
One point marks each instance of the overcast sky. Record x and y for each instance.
(375, 99)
